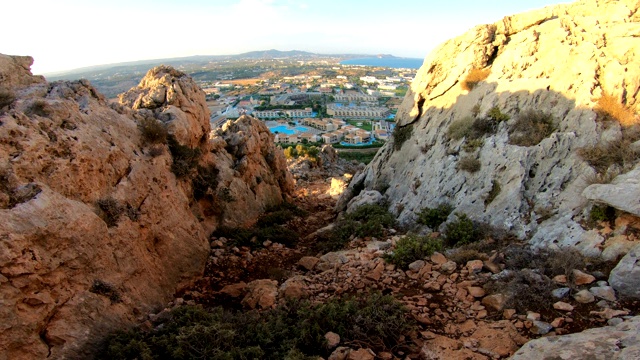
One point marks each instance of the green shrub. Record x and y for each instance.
(412, 248)
(185, 159)
(366, 221)
(278, 217)
(400, 135)
(461, 231)
(291, 331)
(497, 115)
(469, 164)
(152, 131)
(530, 128)
(599, 213)
(434, 217)
(493, 193)
(277, 234)
(460, 128)
(360, 157)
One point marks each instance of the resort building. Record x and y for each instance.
(358, 112)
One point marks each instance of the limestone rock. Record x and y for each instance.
(495, 301)
(294, 288)
(175, 99)
(581, 278)
(95, 230)
(333, 339)
(622, 193)
(365, 198)
(604, 292)
(261, 294)
(611, 342)
(584, 297)
(563, 306)
(538, 182)
(625, 277)
(308, 262)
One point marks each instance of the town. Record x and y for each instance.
(343, 105)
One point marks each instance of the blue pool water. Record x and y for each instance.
(358, 144)
(283, 129)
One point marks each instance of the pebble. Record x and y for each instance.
(560, 293)
(584, 297)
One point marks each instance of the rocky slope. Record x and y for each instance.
(96, 228)
(559, 63)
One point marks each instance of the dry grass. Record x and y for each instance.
(469, 164)
(473, 78)
(604, 155)
(530, 128)
(609, 108)
(460, 128)
(153, 131)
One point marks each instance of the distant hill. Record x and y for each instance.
(192, 61)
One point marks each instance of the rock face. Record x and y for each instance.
(530, 189)
(95, 230)
(625, 277)
(610, 342)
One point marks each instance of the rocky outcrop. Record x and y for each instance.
(610, 342)
(557, 62)
(96, 229)
(625, 277)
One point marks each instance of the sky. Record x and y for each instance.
(68, 34)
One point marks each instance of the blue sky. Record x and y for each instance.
(67, 34)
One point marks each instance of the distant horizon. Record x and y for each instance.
(54, 73)
(71, 34)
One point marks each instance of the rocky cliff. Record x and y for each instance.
(512, 121)
(106, 208)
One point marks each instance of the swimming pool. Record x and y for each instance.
(283, 129)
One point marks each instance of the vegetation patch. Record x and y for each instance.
(469, 164)
(205, 181)
(462, 231)
(600, 213)
(152, 131)
(530, 128)
(472, 145)
(411, 248)
(434, 217)
(185, 159)
(357, 156)
(7, 97)
(460, 128)
(609, 108)
(400, 135)
(105, 289)
(301, 150)
(366, 221)
(39, 108)
(268, 227)
(291, 331)
(493, 193)
(496, 115)
(474, 77)
(603, 156)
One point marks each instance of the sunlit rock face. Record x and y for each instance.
(96, 229)
(557, 61)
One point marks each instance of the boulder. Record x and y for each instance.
(625, 277)
(622, 193)
(261, 294)
(610, 342)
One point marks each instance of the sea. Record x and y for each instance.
(398, 63)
